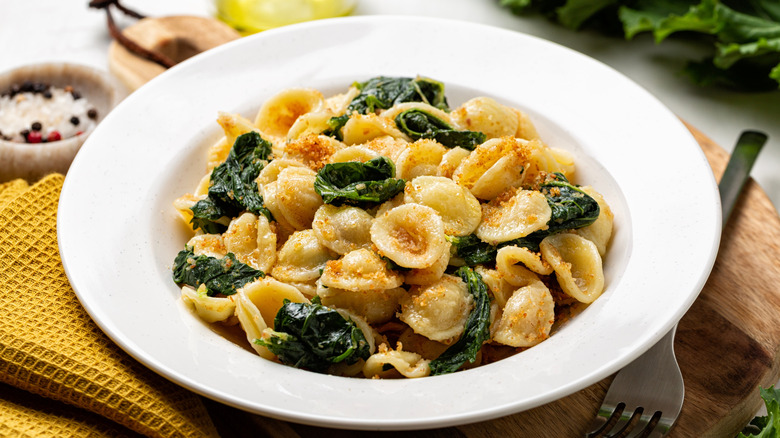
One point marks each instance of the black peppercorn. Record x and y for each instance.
(75, 121)
(76, 95)
(36, 126)
(92, 113)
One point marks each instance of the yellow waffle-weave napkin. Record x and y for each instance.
(49, 346)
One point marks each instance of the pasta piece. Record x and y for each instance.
(577, 265)
(600, 231)
(313, 150)
(342, 229)
(234, 125)
(387, 146)
(296, 197)
(527, 317)
(411, 235)
(310, 123)
(507, 154)
(183, 204)
(203, 186)
(375, 306)
(360, 270)
(460, 211)
(353, 153)
(252, 322)
(217, 153)
(339, 102)
(362, 128)
(428, 349)
(503, 174)
(523, 213)
(307, 288)
(268, 296)
(485, 115)
(420, 158)
(430, 274)
(390, 204)
(279, 113)
(543, 160)
(401, 363)
(499, 287)
(251, 239)
(525, 127)
(301, 258)
(508, 257)
(211, 245)
(270, 192)
(270, 172)
(451, 160)
(438, 311)
(209, 309)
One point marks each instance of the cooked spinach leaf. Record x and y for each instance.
(221, 276)
(477, 329)
(474, 251)
(571, 207)
(357, 183)
(233, 188)
(314, 337)
(418, 124)
(383, 92)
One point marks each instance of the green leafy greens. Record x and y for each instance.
(419, 124)
(571, 207)
(233, 188)
(383, 92)
(221, 276)
(314, 337)
(767, 426)
(745, 34)
(477, 329)
(357, 183)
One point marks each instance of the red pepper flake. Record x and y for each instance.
(54, 136)
(34, 137)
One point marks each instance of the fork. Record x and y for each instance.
(645, 398)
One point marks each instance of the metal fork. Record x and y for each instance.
(645, 398)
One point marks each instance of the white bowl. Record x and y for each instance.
(118, 233)
(33, 161)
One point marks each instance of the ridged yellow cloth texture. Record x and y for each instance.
(60, 375)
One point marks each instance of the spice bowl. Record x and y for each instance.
(47, 111)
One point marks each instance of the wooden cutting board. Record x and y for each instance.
(727, 346)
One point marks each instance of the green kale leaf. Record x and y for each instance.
(767, 426)
(419, 124)
(571, 207)
(357, 183)
(233, 188)
(383, 92)
(477, 329)
(221, 276)
(314, 337)
(744, 35)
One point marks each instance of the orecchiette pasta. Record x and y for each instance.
(411, 235)
(527, 317)
(381, 233)
(437, 311)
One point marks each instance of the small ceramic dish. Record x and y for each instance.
(32, 161)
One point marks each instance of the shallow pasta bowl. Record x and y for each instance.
(118, 232)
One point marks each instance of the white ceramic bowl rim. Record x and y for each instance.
(118, 233)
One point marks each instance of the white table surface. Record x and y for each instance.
(67, 30)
